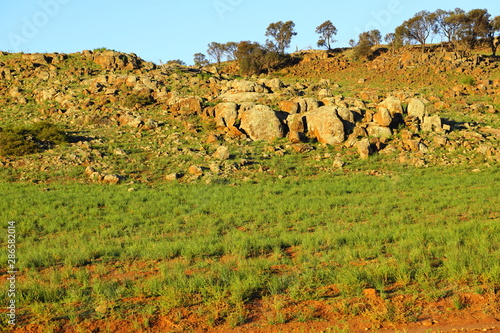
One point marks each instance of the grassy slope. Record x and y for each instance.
(425, 232)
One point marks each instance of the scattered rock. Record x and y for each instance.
(222, 153)
(173, 176)
(379, 131)
(191, 105)
(364, 148)
(432, 124)
(371, 293)
(383, 117)
(111, 179)
(195, 170)
(302, 148)
(392, 104)
(338, 163)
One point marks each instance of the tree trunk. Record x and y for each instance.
(494, 43)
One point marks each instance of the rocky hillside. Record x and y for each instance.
(131, 120)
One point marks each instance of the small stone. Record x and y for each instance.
(103, 308)
(427, 323)
(212, 138)
(222, 153)
(111, 179)
(370, 293)
(173, 176)
(119, 152)
(338, 163)
(195, 170)
(89, 171)
(215, 167)
(302, 148)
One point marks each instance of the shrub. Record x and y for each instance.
(102, 49)
(468, 80)
(176, 62)
(32, 139)
(17, 143)
(140, 100)
(49, 133)
(255, 59)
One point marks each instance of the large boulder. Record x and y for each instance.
(325, 125)
(111, 60)
(273, 84)
(262, 123)
(226, 114)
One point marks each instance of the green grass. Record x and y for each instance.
(423, 230)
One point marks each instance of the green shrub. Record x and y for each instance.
(31, 139)
(17, 143)
(49, 133)
(102, 49)
(468, 80)
(255, 59)
(140, 100)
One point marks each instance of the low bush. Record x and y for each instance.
(468, 80)
(139, 100)
(24, 140)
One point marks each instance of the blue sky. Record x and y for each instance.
(164, 30)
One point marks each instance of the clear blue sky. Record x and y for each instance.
(165, 30)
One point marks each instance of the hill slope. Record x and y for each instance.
(133, 120)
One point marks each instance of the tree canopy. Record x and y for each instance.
(418, 28)
(216, 51)
(326, 31)
(462, 30)
(281, 33)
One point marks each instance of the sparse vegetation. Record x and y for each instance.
(23, 140)
(138, 100)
